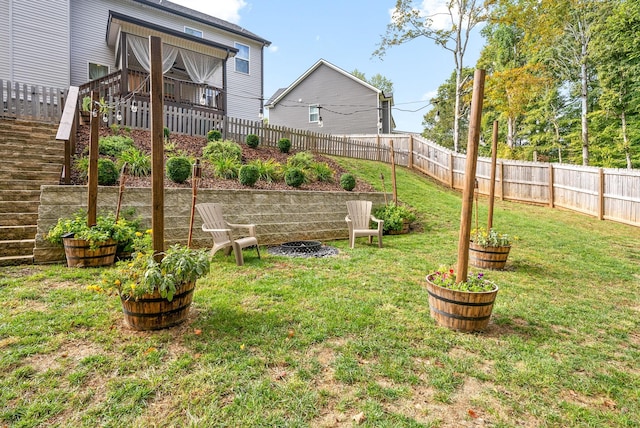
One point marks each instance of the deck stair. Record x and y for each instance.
(30, 156)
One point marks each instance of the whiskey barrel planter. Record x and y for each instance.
(154, 312)
(80, 253)
(460, 310)
(494, 258)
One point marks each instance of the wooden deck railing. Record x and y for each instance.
(134, 85)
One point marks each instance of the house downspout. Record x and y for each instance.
(225, 95)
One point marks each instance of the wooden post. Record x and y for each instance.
(393, 173)
(551, 191)
(451, 177)
(501, 181)
(196, 173)
(410, 160)
(470, 175)
(492, 182)
(601, 194)
(157, 146)
(92, 182)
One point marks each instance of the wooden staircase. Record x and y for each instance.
(30, 156)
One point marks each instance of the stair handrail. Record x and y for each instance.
(67, 130)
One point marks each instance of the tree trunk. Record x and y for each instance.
(585, 105)
(511, 130)
(456, 112)
(625, 139)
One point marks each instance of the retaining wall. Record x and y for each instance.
(279, 216)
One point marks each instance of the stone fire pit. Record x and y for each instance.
(303, 249)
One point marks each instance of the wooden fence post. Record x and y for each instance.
(92, 181)
(601, 196)
(551, 195)
(492, 181)
(410, 160)
(393, 172)
(157, 146)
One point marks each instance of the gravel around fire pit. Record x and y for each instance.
(303, 249)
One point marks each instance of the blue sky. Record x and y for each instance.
(345, 33)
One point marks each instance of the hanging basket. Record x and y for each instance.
(494, 258)
(460, 310)
(154, 312)
(80, 253)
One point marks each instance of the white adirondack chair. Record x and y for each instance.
(358, 219)
(222, 232)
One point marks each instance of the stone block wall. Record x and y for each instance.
(279, 216)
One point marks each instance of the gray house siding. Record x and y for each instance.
(88, 44)
(346, 106)
(35, 42)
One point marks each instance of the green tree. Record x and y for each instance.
(409, 22)
(377, 81)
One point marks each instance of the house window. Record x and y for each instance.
(242, 58)
(314, 113)
(96, 71)
(193, 32)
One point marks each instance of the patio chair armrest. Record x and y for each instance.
(377, 220)
(205, 229)
(250, 227)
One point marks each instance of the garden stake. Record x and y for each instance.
(475, 190)
(195, 178)
(384, 189)
(123, 178)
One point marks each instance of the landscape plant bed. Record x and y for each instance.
(192, 146)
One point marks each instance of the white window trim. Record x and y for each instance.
(193, 30)
(98, 64)
(235, 68)
(316, 106)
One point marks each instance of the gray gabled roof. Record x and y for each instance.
(185, 12)
(282, 92)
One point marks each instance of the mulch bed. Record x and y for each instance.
(192, 146)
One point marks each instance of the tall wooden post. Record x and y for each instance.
(92, 181)
(157, 146)
(470, 175)
(492, 183)
(393, 173)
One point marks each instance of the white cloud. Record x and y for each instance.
(272, 48)
(229, 10)
(428, 95)
(437, 10)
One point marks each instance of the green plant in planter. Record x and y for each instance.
(131, 279)
(475, 283)
(491, 238)
(394, 216)
(106, 228)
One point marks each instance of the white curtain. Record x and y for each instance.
(140, 48)
(201, 68)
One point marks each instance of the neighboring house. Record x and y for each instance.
(330, 100)
(208, 63)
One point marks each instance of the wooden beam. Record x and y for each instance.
(492, 181)
(92, 182)
(470, 175)
(393, 172)
(157, 146)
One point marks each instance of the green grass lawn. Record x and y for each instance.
(344, 340)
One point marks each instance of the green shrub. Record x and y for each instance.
(226, 167)
(284, 145)
(347, 182)
(138, 163)
(302, 160)
(248, 175)
(178, 169)
(107, 172)
(166, 133)
(216, 150)
(268, 170)
(214, 135)
(394, 216)
(322, 172)
(294, 177)
(252, 141)
(113, 145)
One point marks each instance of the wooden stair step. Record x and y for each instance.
(8, 207)
(26, 259)
(11, 233)
(18, 219)
(20, 195)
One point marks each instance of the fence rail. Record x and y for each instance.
(33, 102)
(605, 193)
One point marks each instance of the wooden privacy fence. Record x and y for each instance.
(31, 102)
